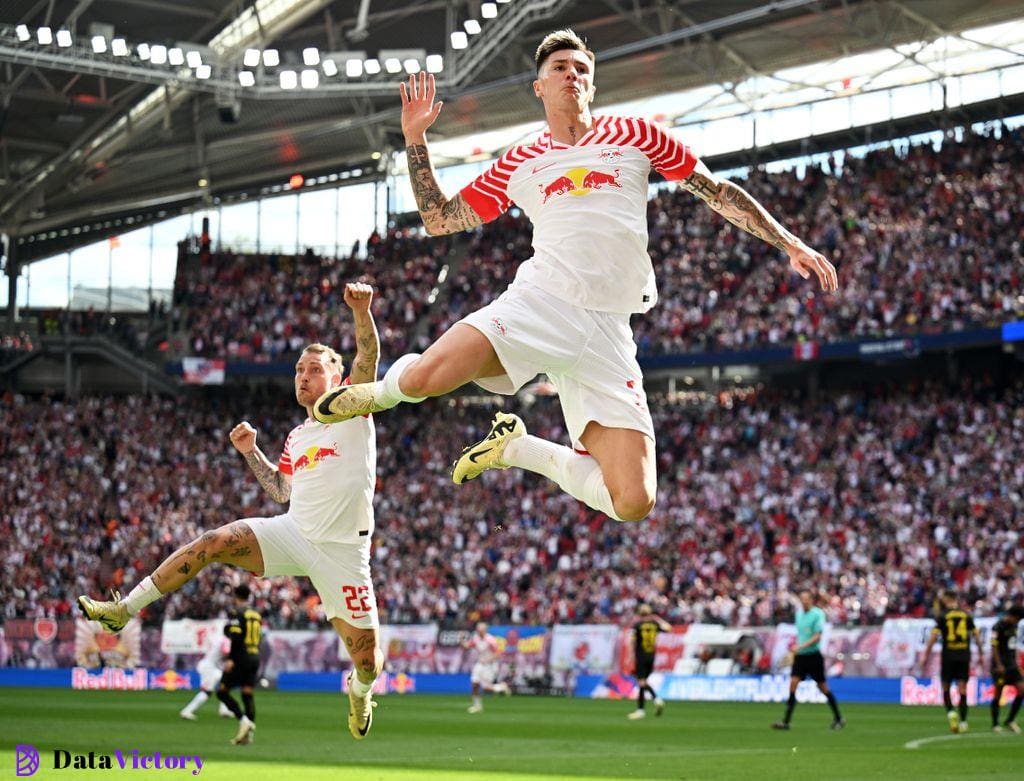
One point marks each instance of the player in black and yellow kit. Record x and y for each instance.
(645, 636)
(1005, 667)
(241, 669)
(954, 627)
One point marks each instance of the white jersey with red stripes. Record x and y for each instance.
(588, 205)
(487, 648)
(334, 469)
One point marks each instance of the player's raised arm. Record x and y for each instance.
(741, 209)
(277, 485)
(440, 215)
(359, 297)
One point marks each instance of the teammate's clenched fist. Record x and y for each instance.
(243, 437)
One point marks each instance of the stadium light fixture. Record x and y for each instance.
(330, 67)
(435, 63)
(271, 58)
(392, 65)
(504, 1)
(44, 35)
(372, 67)
(99, 44)
(143, 51)
(203, 71)
(459, 40)
(472, 26)
(289, 79)
(119, 47)
(22, 32)
(311, 56)
(158, 54)
(246, 78)
(411, 66)
(488, 10)
(175, 56)
(194, 59)
(251, 58)
(64, 38)
(310, 79)
(353, 68)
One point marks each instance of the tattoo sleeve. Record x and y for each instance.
(737, 206)
(273, 482)
(364, 365)
(440, 215)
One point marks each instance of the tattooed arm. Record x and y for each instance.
(440, 215)
(364, 366)
(742, 210)
(278, 486)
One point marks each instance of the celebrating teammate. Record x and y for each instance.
(243, 664)
(1005, 667)
(484, 676)
(210, 671)
(954, 627)
(808, 661)
(584, 185)
(645, 638)
(327, 474)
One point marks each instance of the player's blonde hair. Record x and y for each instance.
(333, 359)
(558, 40)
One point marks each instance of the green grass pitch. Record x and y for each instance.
(303, 736)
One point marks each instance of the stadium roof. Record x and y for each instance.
(87, 136)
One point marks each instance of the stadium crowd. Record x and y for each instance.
(13, 345)
(879, 497)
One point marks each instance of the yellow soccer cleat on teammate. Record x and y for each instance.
(112, 615)
(360, 712)
(346, 402)
(486, 454)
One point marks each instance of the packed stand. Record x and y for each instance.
(13, 346)
(880, 498)
(264, 307)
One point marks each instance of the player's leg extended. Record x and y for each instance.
(363, 646)
(837, 719)
(947, 701)
(962, 688)
(461, 355)
(233, 544)
(997, 696)
(794, 682)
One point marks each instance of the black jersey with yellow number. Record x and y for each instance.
(955, 628)
(645, 638)
(244, 629)
(1004, 643)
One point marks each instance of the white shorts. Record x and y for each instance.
(209, 675)
(589, 356)
(484, 674)
(340, 571)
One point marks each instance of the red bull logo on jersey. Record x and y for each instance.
(579, 181)
(312, 456)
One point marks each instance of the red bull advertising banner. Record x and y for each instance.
(928, 691)
(139, 679)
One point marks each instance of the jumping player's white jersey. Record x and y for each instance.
(333, 468)
(588, 205)
(217, 647)
(487, 648)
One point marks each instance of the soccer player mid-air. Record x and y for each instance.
(645, 641)
(1006, 668)
(242, 667)
(326, 474)
(584, 185)
(484, 676)
(954, 627)
(807, 659)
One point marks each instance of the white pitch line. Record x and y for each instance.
(913, 744)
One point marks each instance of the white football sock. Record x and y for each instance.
(388, 394)
(357, 687)
(197, 701)
(576, 474)
(142, 595)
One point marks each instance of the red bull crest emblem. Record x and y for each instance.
(312, 456)
(580, 181)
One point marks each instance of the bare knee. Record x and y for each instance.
(634, 503)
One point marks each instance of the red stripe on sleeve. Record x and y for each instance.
(670, 157)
